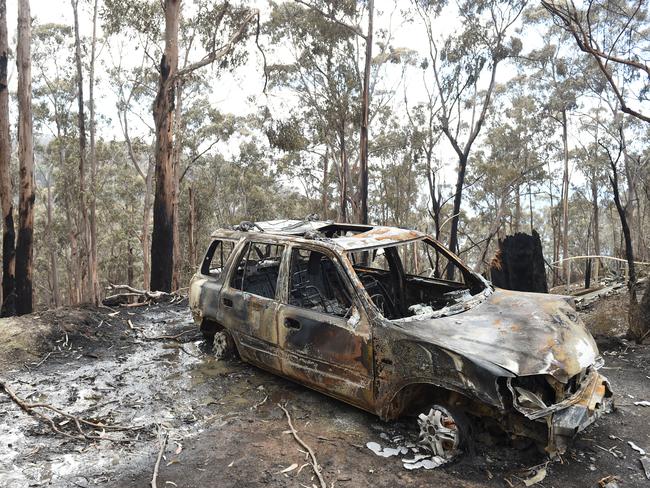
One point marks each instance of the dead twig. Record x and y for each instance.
(314, 463)
(30, 408)
(161, 451)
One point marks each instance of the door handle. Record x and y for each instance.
(291, 323)
(227, 302)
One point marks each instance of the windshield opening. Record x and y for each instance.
(416, 279)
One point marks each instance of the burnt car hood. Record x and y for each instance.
(524, 333)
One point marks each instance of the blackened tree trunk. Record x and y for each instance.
(162, 248)
(519, 264)
(24, 247)
(6, 191)
(637, 328)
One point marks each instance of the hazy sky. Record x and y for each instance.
(240, 92)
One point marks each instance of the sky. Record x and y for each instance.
(241, 91)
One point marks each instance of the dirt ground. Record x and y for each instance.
(223, 424)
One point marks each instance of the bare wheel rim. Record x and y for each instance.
(220, 344)
(439, 432)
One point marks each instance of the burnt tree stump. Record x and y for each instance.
(519, 264)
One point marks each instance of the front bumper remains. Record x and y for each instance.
(574, 414)
(594, 401)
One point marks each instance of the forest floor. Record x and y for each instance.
(222, 421)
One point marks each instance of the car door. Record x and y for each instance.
(323, 333)
(248, 303)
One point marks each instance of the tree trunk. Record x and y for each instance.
(191, 225)
(6, 190)
(324, 202)
(84, 226)
(458, 197)
(146, 262)
(74, 286)
(162, 248)
(94, 279)
(365, 103)
(596, 224)
(565, 200)
(636, 327)
(343, 190)
(26, 195)
(129, 264)
(176, 163)
(56, 296)
(517, 217)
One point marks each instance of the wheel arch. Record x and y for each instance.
(418, 394)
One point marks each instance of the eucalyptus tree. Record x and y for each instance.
(134, 86)
(54, 93)
(220, 28)
(26, 194)
(464, 66)
(614, 35)
(322, 75)
(513, 156)
(87, 260)
(559, 81)
(6, 190)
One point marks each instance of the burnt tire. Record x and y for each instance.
(223, 345)
(444, 431)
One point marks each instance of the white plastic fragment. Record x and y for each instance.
(386, 451)
(434, 462)
(644, 403)
(416, 458)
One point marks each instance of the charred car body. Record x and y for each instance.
(390, 321)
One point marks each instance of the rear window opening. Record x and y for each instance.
(216, 257)
(417, 279)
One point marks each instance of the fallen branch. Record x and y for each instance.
(313, 461)
(126, 294)
(30, 408)
(163, 444)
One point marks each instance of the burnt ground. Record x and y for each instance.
(223, 422)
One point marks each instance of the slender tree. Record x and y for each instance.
(6, 191)
(87, 292)
(26, 195)
(94, 279)
(162, 239)
(459, 63)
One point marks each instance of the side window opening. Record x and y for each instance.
(216, 257)
(258, 269)
(315, 283)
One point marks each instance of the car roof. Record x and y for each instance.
(341, 236)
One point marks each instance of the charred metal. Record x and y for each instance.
(392, 322)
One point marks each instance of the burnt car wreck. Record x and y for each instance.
(390, 321)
